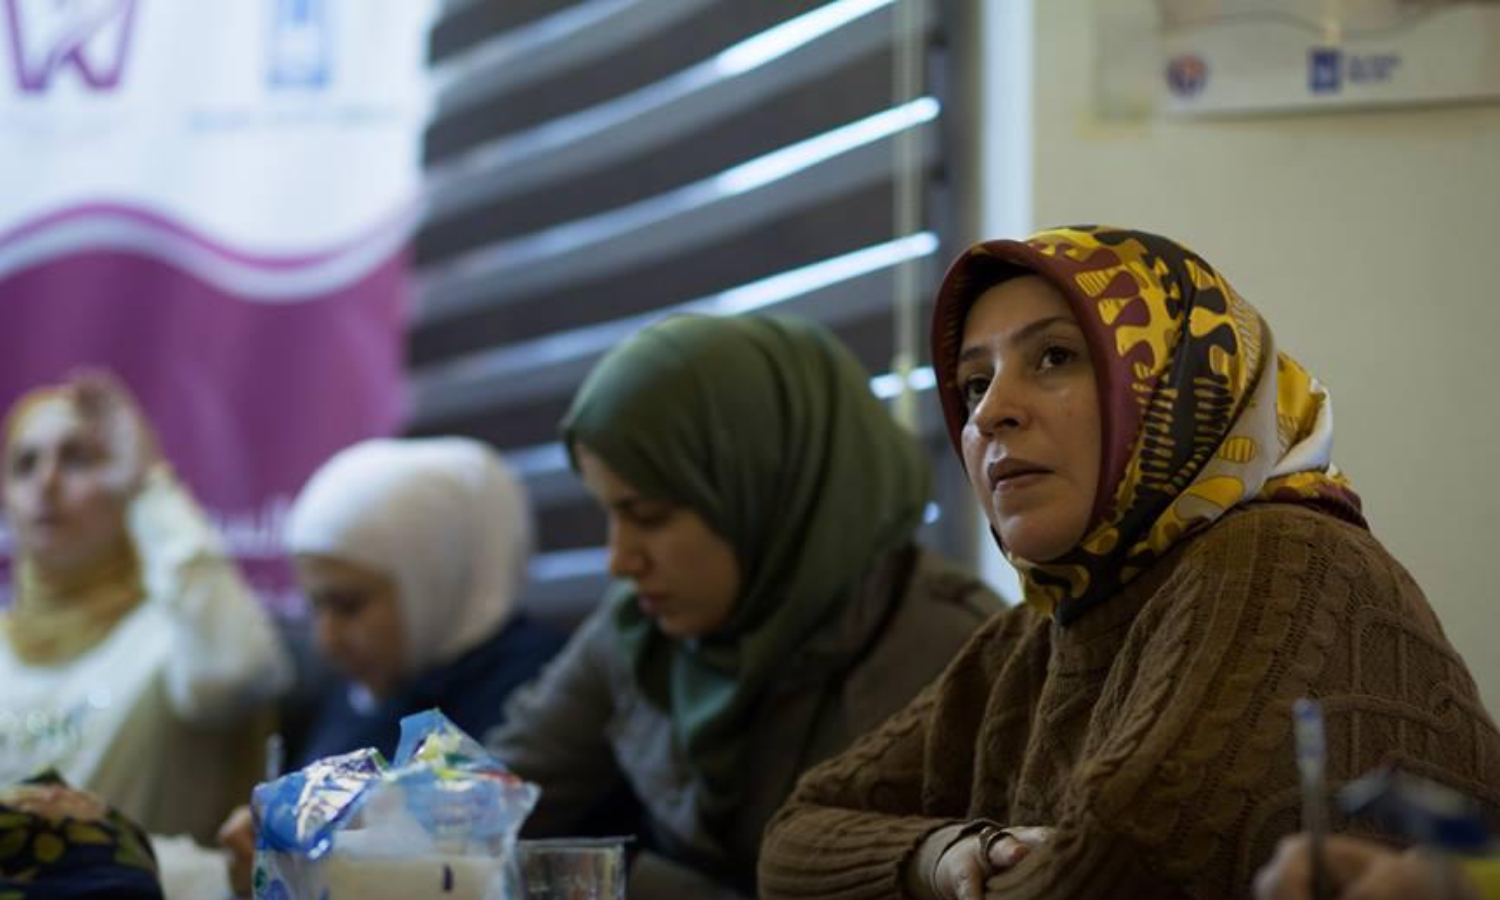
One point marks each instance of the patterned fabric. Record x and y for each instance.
(56, 842)
(1485, 874)
(1200, 413)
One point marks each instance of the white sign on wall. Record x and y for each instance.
(1234, 56)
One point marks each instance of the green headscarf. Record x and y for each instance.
(766, 428)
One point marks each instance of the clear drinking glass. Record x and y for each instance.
(572, 869)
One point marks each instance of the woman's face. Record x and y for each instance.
(357, 620)
(1032, 441)
(61, 506)
(687, 578)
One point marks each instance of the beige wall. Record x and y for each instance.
(1371, 243)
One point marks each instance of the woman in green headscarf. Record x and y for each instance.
(769, 605)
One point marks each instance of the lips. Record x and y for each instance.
(1010, 468)
(649, 602)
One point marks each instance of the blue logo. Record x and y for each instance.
(1187, 75)
(1325, 67)
(300, 45)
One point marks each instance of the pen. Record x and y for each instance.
(1307, 719)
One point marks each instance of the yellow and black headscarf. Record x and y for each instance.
(1200, 413)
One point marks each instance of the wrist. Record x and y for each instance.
(921, 865)
(923, 874)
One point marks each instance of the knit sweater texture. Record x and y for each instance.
(1154, 733)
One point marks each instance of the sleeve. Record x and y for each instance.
(225, 655)
(555, 732)
(857, 821)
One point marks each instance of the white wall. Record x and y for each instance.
(1371, 243)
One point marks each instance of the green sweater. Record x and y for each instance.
(1154, 734)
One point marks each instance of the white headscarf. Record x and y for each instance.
(445, 518)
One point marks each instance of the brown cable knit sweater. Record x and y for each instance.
(1154, 733)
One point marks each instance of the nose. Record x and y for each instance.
(627, 558)
(328, 636)
(48, 475)
(1002, 407)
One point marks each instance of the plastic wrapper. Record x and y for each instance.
(439, 821)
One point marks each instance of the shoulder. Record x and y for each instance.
(1270, 551)
(941, 609)
(1286, 521)
(1275, 534)
(593, 653)
(509, 657)
(948, 607)
(939, 585)
(526, 638)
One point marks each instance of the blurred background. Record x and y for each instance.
(292, 224)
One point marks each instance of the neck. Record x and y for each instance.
(115, 563)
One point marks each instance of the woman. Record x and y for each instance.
(134, 655)
(1192, 563)
(413, 554)
(769, 604)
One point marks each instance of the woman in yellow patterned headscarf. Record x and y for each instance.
(1192, 563)
(1199, 411)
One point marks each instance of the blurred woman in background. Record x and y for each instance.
(413, 554)
(769, 602)
(134, 657)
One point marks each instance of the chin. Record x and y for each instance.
(1027, 544)
(679, 630)
(671, 630)
(53, 558)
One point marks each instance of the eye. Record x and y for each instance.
(973, 389)
(78, 456)
(23, 463)
(651, 517)
(341, 604)
(1055, 356)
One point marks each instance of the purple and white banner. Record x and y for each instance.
(214, 201)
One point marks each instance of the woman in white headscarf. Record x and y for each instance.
(413, 553)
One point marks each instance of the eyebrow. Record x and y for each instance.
(632, 503)
(1024, 333)
(340, 596)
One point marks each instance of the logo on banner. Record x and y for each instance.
(1325, 70)
(1187, 75)
(299, 51)
(89, 37)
